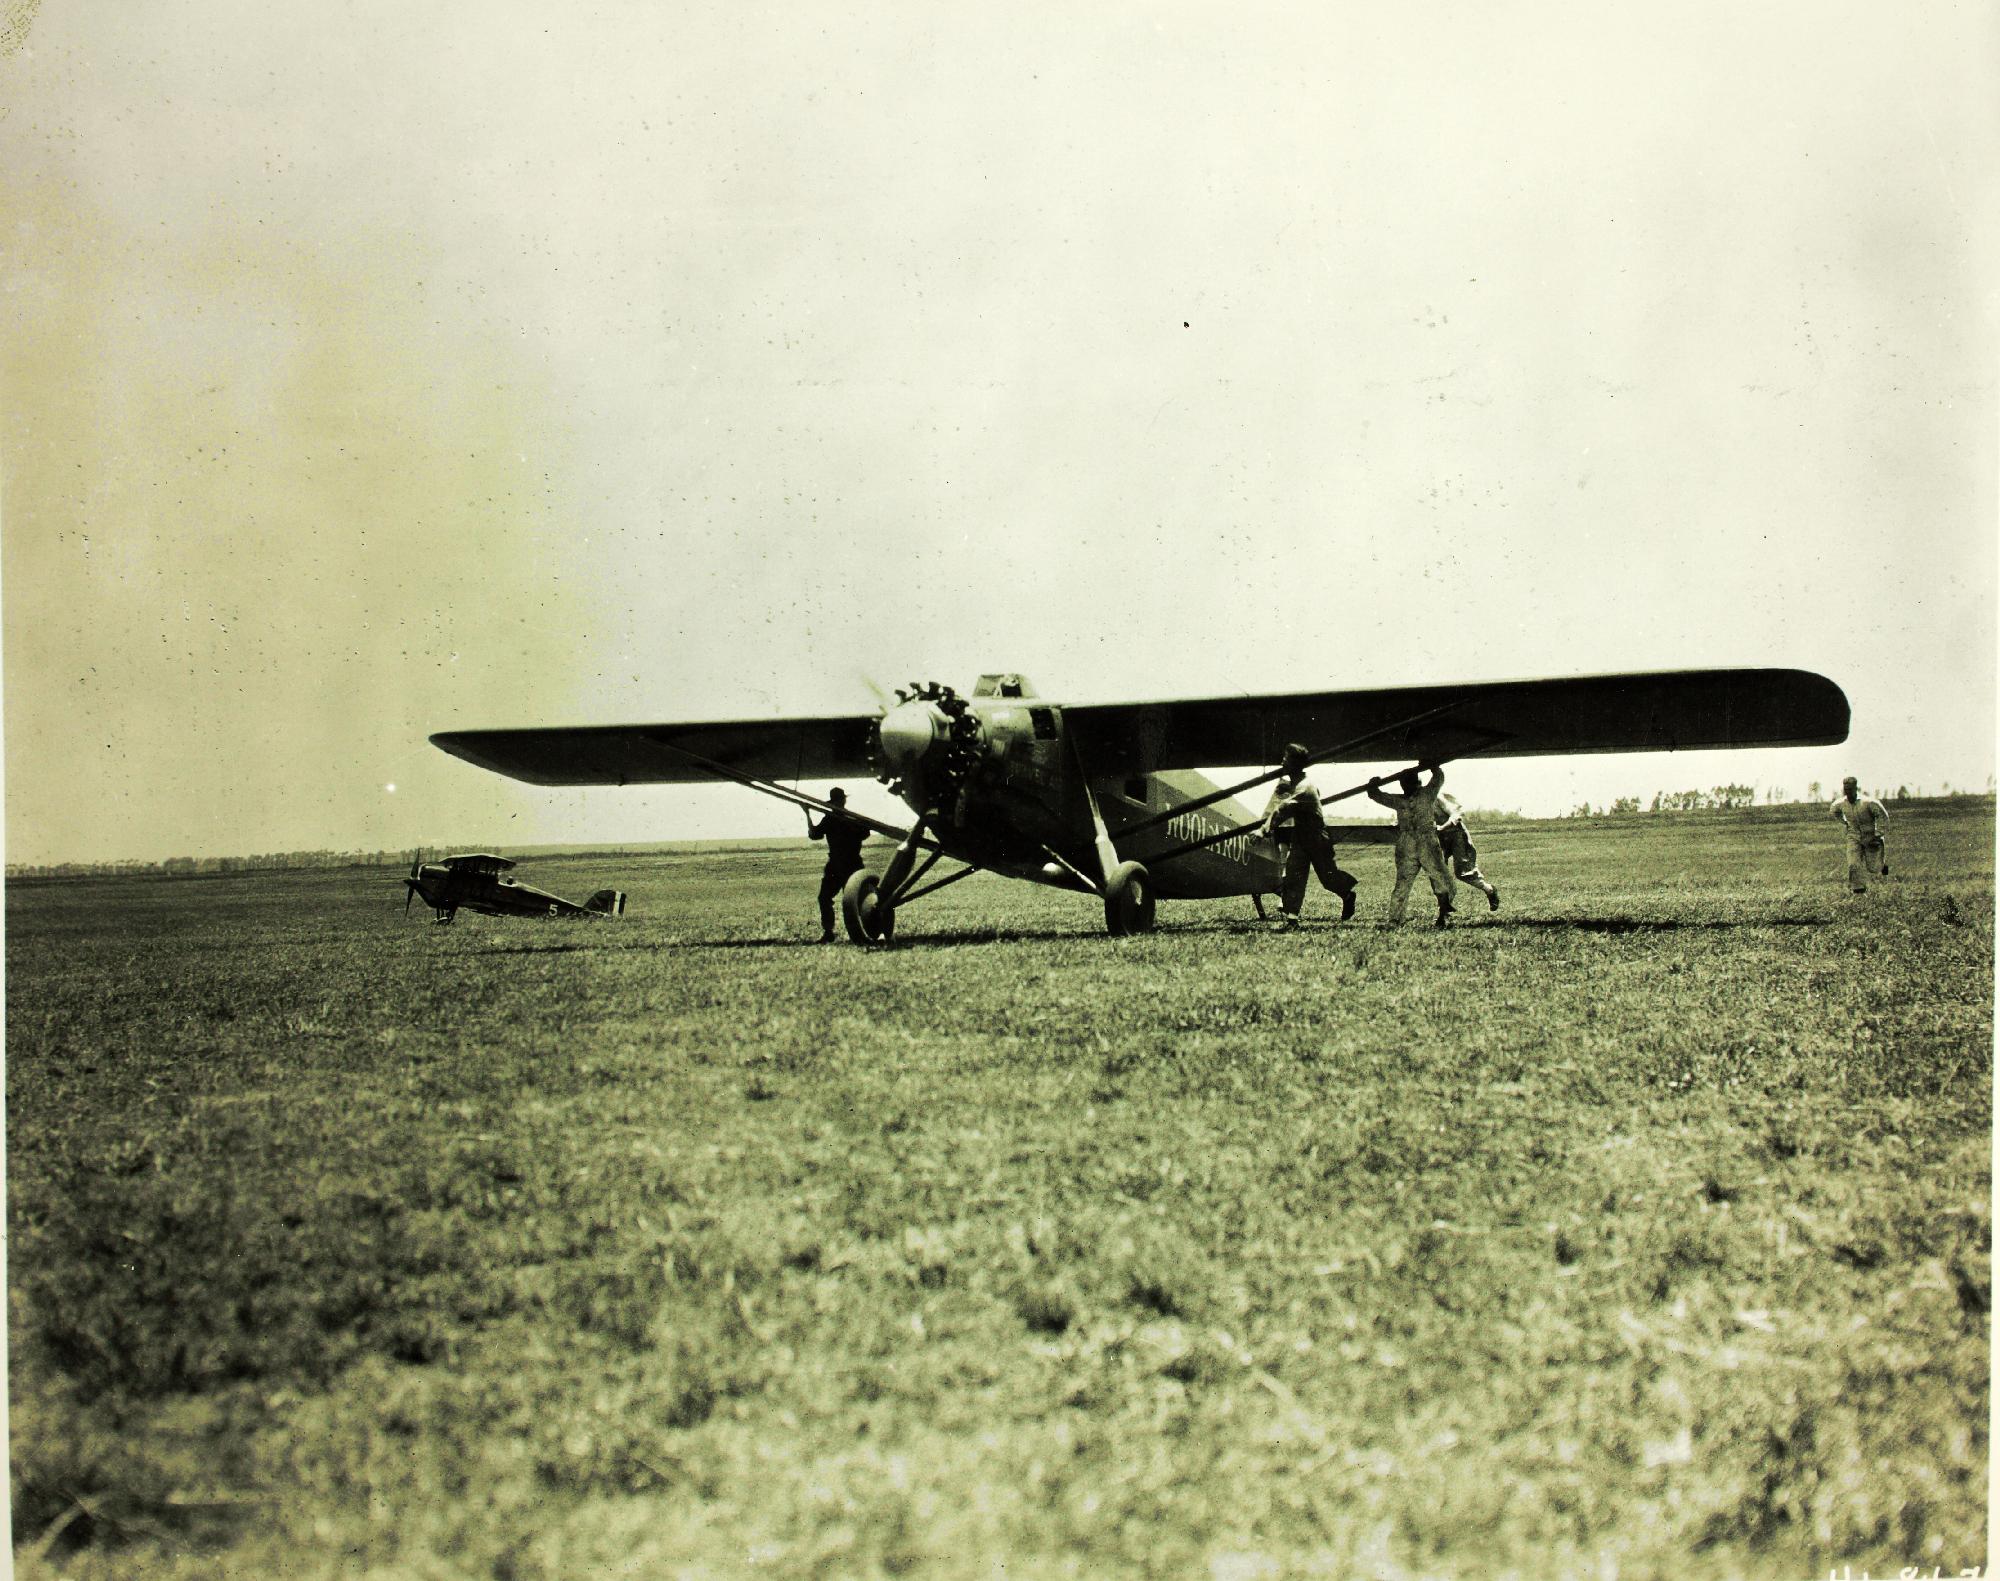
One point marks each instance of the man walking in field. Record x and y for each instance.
(1866, 818)
(1417, 847)
(843, 837)
(1295, 807)
(1456, 841)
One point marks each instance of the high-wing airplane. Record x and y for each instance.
(1104, 798)
(476, 882)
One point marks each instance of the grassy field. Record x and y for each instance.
(1642, 1228)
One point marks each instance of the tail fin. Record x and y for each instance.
(607, 903)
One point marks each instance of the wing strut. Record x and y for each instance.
(932, 888)
(1268, 775)
(797, 798)
(1324, 801)
(1107, 850)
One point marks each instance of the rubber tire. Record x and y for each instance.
(1128, 900)
(868, 920)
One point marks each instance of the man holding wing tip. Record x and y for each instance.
(1417, 848)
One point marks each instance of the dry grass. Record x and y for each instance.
(1644, 1226)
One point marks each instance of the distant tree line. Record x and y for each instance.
(1722, 796)
(178, 866)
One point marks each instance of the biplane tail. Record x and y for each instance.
(607, 903)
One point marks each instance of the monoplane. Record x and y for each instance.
(1106, 798)
(477, 881)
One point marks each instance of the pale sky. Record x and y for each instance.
(374, 369)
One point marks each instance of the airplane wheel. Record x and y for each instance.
(868, 920)
(1128, 900)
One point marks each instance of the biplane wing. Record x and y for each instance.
(477, 862)
(1676, 710)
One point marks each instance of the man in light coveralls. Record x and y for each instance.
(1866, 819)
(1457, 842)
(1417, 845)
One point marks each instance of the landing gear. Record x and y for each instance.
(868, 920)
(1128, 900)
(1258, 902)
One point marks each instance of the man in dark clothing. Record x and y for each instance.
(843, 837)
(1295, 807)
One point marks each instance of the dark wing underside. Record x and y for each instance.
(774, 749)
(1669, 711)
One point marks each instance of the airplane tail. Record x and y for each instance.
(607, 903)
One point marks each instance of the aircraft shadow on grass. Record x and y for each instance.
(1656, 924)
(952, 938)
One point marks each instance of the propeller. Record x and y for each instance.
(411, 884)
(930, 737)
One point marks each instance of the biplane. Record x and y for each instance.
(1107, 799)
(477, 881)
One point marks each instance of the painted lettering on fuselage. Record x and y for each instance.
(1188, 827)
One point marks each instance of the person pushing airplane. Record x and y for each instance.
(844, 838)
(1417, 845)
(1295, 805)
(1456, 841)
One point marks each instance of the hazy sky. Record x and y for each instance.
(376, 369)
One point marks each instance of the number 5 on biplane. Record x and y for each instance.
(1108, 800)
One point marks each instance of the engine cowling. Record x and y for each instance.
(928, 745)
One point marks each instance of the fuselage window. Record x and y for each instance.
(1135, 790)
(1045, 723)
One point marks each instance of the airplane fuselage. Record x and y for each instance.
(1006, 788)
(447, 888)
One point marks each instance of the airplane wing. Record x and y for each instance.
(477, 862)
(757, 753)
(1661, 711)
(770, 749)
